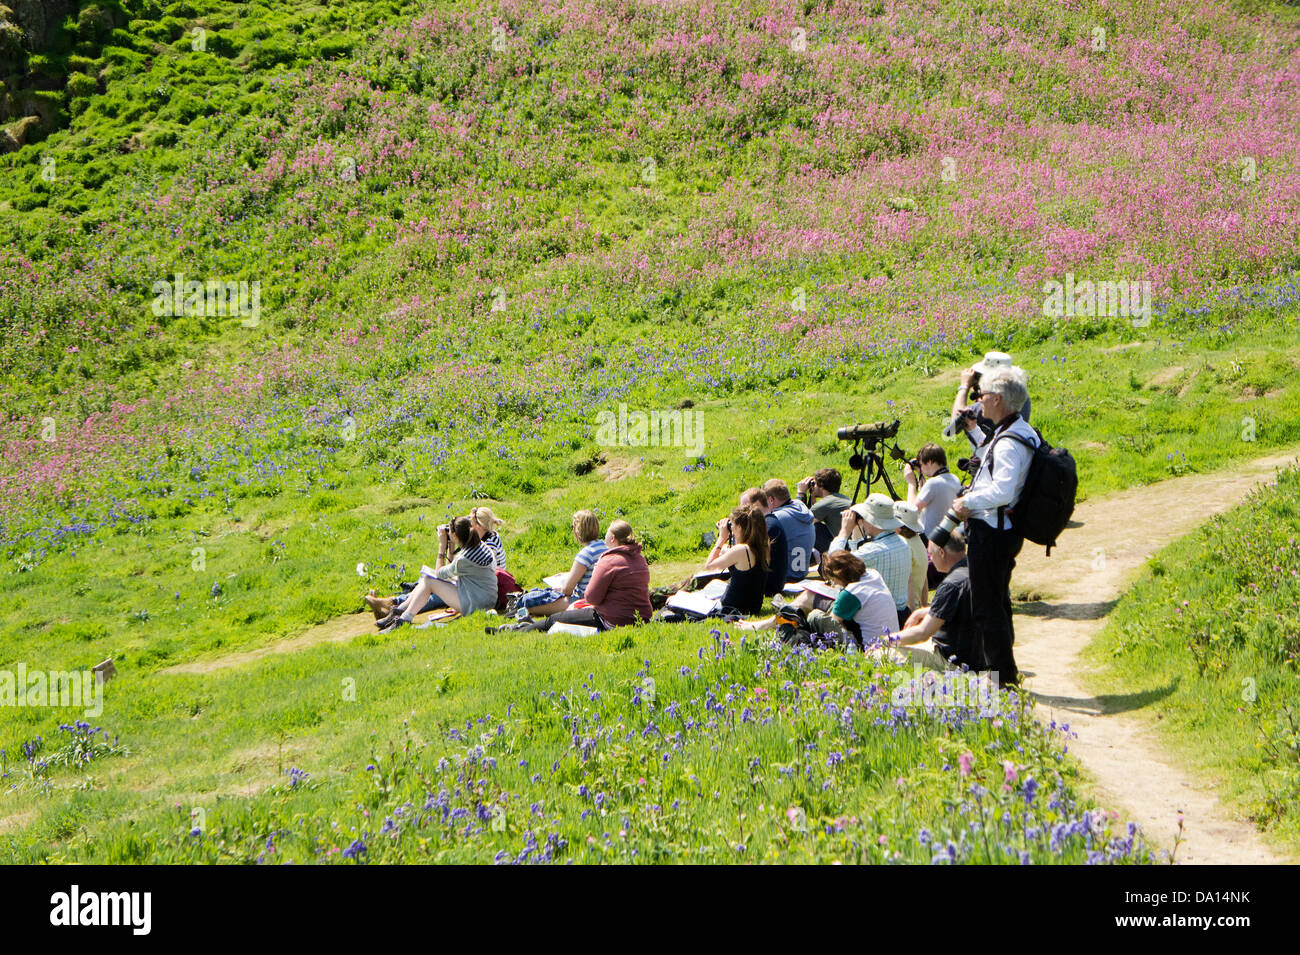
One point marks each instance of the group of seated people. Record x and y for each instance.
(872, 556)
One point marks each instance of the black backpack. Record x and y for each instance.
(1047, 500)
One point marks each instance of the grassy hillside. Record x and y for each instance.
(473, 228)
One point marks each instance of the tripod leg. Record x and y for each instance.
(889, 484)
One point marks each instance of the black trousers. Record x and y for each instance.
(585, 617)
(991, 556)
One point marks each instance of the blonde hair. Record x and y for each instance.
(484, 517)
(586, 525)
(622, 532)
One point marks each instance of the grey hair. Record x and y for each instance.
(1009, 384)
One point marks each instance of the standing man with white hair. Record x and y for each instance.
(991, 537)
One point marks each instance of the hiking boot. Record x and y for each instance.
(397, 623)
(512, 604)
(379, 606)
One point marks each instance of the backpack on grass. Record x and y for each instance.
(1047, 500)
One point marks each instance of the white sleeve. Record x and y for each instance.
(1010, 461)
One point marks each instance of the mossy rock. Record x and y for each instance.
(19, 134)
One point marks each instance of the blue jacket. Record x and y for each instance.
(779, 558)
(800, 536)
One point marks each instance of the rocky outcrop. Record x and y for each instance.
(18, 134)
(39, 18)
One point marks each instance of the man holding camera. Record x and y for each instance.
(821, 492)
(939, 489)
(968, 410)
(991, 538)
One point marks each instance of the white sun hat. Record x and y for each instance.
(908, 515)
(878, 511)
(992, 360)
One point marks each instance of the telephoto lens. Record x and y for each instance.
(944, 531)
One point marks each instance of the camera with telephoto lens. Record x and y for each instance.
(871, 433)
(944, 531)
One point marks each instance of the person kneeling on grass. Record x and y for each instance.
(862, 612)
(948, 621)
(543, 602)
(465, 578)
(618, 593)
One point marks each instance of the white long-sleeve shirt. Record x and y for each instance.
(1001, 484)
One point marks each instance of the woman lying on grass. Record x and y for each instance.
(464, 579)
(543, 602)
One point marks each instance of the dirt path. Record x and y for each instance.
(353, 625)
(331, 631)
(1131, 770)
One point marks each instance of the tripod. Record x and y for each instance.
(871, 465)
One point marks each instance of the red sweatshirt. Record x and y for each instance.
(619, 588)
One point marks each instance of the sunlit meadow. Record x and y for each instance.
(472, 228)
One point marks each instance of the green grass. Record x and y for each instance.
(743, 753)
(1209, 634)
(283, 553)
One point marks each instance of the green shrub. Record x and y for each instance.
(268, 53)
(80, 85)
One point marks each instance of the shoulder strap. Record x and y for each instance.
(1021, 439)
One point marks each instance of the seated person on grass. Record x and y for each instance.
(485, 524)
(797, 523)
(742, 550)
(464, 578)
(948, 620)
(543, 602)
(618, 593)
(870, 532)
(862, 612)
(821, 492)
(778, 567)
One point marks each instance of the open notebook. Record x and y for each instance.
(700, 603)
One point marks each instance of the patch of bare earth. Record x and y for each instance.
(338, 630)
(615, 469)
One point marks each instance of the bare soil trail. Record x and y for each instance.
(1131, 771)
